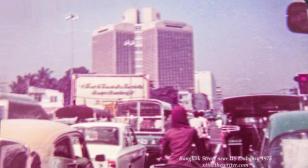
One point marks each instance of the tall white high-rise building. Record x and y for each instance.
(144, 44)
(113, 49)
(205, 83)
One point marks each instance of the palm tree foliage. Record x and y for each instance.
(43, 79)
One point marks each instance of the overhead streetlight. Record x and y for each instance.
(71, 18)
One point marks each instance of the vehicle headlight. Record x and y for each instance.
(143, 141)
(153, 142)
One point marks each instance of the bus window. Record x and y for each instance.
(126, 109)
(143, 114)
(23, 110)
(149, 109)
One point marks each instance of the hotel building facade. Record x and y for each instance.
(144, 44)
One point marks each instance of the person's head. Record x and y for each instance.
(196, 114)
(167, 114)
(201, 113)
(179, 117)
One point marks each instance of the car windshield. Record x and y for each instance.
(104, 135)
(149, 109)
(290, 150)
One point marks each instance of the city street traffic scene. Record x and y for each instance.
(154, 84)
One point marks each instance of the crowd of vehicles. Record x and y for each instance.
(263, 131)
(132, 138)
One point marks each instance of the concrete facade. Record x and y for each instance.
(205, 83)
(144, 44)
(49, 99)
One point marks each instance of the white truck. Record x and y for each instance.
(97, 90)
(18, 106)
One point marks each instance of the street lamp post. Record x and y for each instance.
(71, 18)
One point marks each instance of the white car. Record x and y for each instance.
(116, 141)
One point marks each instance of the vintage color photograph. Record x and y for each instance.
(154, 84)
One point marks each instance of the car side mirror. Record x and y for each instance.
(100, 158)
(298, 17)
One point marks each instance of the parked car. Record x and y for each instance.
(117, 141)
(57, 145)
(286, 142)
(16, 155)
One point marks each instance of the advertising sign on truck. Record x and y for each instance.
(95, 90)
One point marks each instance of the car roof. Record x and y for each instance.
(8, 141)
(286, 122)
(101, 124)
(36, 134)
(21, 98)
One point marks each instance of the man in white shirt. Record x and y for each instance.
(199, 123)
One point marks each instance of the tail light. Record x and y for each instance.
(111, 164)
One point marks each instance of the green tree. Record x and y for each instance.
(167, 94)
(20, 85)
(64, 83)
(42, 79)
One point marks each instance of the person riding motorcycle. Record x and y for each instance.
(178, 140)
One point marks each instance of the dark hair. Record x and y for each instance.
(201, 113)
(196, 114)
(179, 117)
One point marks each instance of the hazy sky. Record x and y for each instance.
(245, 43)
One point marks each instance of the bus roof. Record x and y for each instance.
(20, 98)
(166, 105)
(22, 106)
(101, 124)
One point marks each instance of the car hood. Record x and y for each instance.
(110, 151)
